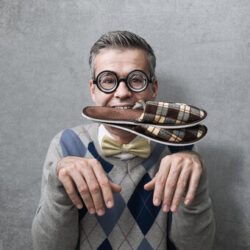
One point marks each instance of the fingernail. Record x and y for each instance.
(91, 210)
(109, 204)
(100, 211)
(156, 202)
(173, 208)
(79, 206)
(187, 202)
(165, 208)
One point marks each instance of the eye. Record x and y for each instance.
(137, 80)
(107, 80)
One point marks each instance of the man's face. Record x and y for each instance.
(122, 62)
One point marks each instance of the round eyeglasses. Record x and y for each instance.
(136, 81)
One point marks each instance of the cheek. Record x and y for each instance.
(102, 99)
(145, 95)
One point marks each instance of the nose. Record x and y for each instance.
(122, 91)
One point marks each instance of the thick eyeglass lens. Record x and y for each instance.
(137, 80)
(107, 80)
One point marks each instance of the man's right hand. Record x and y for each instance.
(88, 176)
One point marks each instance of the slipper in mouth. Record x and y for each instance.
(158, 114)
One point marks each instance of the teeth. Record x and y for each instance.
(126, 107)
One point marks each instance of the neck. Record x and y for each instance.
(120, 135)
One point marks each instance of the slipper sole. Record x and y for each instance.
(135, 130)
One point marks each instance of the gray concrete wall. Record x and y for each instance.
(203, 52)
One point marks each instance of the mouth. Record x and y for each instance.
(123, 107)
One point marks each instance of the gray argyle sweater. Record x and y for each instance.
(134, 222)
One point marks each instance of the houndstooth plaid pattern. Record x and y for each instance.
(191, 134)
(170, 113)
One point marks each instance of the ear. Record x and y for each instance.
(154, 89)
(92, 90)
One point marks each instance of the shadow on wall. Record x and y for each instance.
(225, 166)
(169, 90)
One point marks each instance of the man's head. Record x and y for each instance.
(116, 55)
(122, 52)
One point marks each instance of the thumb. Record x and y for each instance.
(150, 185)
(115, 188)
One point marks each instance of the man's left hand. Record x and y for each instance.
(175, 173)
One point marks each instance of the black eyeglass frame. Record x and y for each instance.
(118, 80)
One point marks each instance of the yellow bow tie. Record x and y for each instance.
(138, 147)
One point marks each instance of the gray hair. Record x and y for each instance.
(122, 40)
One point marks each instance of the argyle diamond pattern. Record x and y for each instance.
(144, 245)
(111, 216)
(71, 144)
(106, 165)
(141, 206)
(134, 223)
(148, 163)
(105, 246)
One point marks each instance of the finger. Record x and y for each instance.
(193, 184)
(94, 189)
(150, 185)
(160, 181)
(70, 189)
(104, 184)
(115, 188)
(83, 190)
(180, 189)
(171, 184)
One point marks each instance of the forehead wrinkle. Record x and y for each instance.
(120, 65)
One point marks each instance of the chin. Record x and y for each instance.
(115, 131)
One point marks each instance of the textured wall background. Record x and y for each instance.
(203, 52)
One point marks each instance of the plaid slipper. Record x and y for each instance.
(171, 137)
(158, 114)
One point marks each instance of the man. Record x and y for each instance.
(93, 201)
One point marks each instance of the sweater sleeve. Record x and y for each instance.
(55, 225)
(193, 226)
